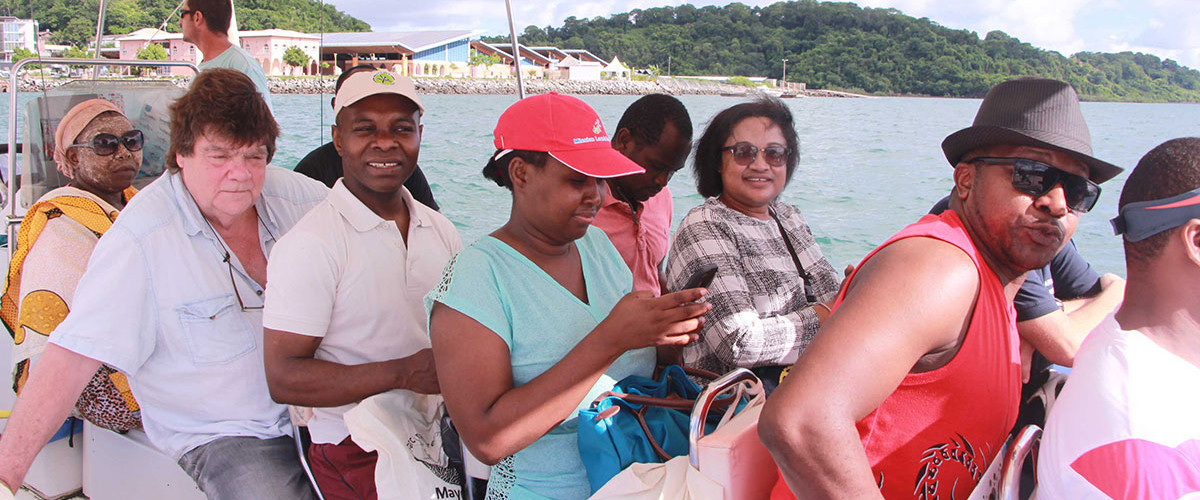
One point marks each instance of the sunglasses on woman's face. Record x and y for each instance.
(744, 154)
(1035, 178)
(105, 144)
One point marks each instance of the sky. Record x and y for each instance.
(1165, 28)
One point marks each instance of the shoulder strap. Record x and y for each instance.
(809, 295)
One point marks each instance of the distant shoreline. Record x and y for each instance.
(486, 86)
(481, 86)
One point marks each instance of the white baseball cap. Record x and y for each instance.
(364, 84)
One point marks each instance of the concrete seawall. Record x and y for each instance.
(675, 86)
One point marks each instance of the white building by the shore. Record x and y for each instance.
(18, 33)
(410, 53)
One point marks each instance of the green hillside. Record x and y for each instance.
(74, 22)
(843, 46)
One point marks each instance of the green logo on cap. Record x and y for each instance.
(384, 78)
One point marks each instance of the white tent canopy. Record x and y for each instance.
(616, 69)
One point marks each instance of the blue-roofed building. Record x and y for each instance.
(416, 53)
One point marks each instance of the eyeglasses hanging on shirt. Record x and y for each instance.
(228, 256)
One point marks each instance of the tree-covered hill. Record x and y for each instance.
(840, 45)
(74, 21)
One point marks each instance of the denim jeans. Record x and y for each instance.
(240, 468)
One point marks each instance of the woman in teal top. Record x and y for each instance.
(534, 321)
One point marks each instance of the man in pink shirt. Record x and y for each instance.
(656, 133)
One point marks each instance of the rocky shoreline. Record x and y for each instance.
(674, 86)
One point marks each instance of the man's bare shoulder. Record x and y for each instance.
(922, 288)
(911, 262)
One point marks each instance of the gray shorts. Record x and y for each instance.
(239, 468)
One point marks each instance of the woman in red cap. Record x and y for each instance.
(535, 320)
(97, 147)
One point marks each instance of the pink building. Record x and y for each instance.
(265, 46)
(268, 46)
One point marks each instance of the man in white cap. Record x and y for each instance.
(911, 386)
(344, 315)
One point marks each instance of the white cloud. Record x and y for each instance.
(1166, 28)
(1049, 25)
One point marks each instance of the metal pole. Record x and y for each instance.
(784, 72)
(516, 51)
(99, 27)
(99, 34)
(668, 65)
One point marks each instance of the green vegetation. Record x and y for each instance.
(740, 80)
(295, 57)
(479, 59)
(152, 52)
(840, 45)
(24, 53)
(73, 22)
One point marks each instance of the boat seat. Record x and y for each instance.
(123, 466)
(56, 472)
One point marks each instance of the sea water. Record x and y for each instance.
(868, 167)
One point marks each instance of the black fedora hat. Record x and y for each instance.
(1031, 112)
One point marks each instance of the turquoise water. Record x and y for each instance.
(867, 167)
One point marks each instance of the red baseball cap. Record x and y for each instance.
(566, 128)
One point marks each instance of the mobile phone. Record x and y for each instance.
(702, 278)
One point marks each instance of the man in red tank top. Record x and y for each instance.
(911, 387)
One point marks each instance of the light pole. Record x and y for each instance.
(516, 50)
(785, 72)
(668, 65)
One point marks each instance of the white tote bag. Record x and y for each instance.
(405, 429)
(674, 480)
(728, 464)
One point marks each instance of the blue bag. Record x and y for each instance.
(641, 420)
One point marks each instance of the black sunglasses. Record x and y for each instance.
(105, 144)
(1036, 178)
(184, 12)
(744, 154)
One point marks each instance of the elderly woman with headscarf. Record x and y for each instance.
(97, 147)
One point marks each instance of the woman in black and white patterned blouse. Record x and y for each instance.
(769, 293)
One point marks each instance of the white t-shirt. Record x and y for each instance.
(345, 274)
(1127, 424)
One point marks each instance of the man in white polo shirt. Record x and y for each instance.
(344, 316)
